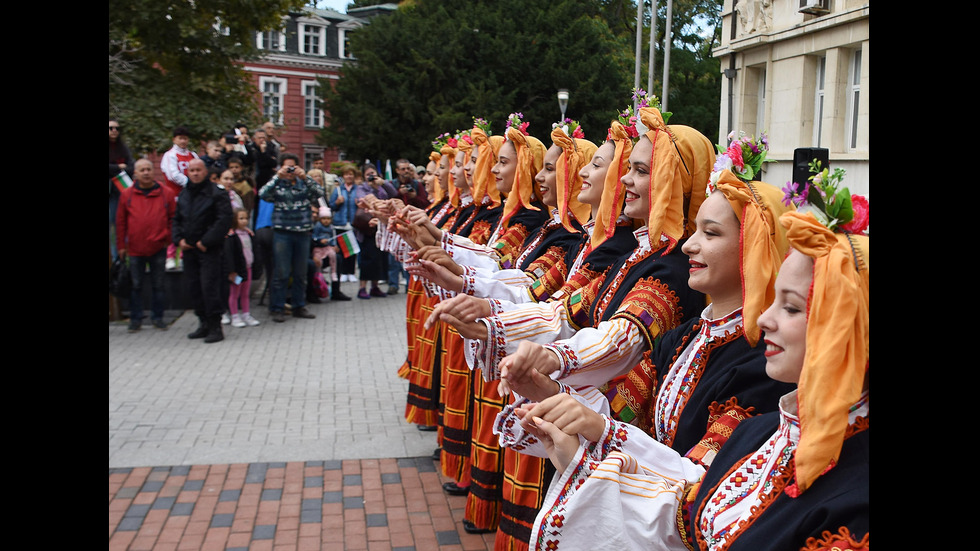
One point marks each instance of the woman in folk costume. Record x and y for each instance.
(422, 406)
(792, 479)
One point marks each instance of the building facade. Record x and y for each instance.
(799, 70)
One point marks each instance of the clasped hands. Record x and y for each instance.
(558, 422)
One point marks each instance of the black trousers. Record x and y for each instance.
(202, 279)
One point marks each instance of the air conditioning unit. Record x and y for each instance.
(815, 7)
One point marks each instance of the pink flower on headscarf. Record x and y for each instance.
(862, 215)
(735, 154)
(578, 133)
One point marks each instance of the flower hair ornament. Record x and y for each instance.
(441, 141)
(516, 120)
(830, 202)
(629, 118)
(744, 156)
(570, 127)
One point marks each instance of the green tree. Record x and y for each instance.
(431, 66)
(176, 63)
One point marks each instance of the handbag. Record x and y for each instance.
(320, 286)
(120, 279)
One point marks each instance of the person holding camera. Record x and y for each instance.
(292, 220)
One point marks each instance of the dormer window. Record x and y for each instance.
(271, 40)
(313, 39)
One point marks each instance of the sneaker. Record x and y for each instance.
(377, 292)
(159, 324)
(225, 320)
(237, 321)
(302, 312)
(134, 325)
(249, 320)
(278, 317)
(171, 264)
(363, 294)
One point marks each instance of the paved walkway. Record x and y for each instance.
(282, 436)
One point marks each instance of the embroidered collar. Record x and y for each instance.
(789, 413)
(465, 200)
(720, 326)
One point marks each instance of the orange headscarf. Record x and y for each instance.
(483, 181)
(530, 157)
(762, 243)
(575, 152)
(449, 153)
(838, 340)
(680, 167)
(611, 204)
(437, 193)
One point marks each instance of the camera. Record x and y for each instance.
(290, 169)
(372, 178)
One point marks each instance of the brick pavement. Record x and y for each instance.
(283, 436)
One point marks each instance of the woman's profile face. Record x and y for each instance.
(430, 177)
(637, 181)
(785, 321)
(459, 176)
(594, 175)
(471, 163)
(714, 255)
(506, 167)
(547, 177)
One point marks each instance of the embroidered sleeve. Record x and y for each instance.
(467, 253)
(541, 323)
(721, 422)
(626, 480)
(548, 272)
(509, 285)
(653, 307)
(508, 246)
(595, 356)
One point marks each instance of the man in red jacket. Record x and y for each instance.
(143, 221)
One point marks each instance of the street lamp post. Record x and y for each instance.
(563, 101)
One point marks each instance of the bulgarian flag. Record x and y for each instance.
(122, 181)
(348, 245)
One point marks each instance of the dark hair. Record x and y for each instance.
(182, 131)
(235, 159)
(215, 171)
(286, 156)
(317, 158)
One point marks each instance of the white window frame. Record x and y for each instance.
(310, 102)
(342, 44)
(281, 96)
(819, 103)
(260, 40)
(853, 98)
(310, 29)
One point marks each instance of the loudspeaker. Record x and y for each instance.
(801, 161)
